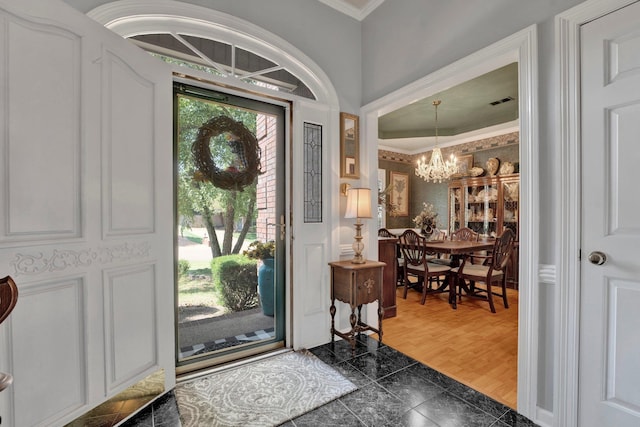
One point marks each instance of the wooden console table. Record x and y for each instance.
(356, 285)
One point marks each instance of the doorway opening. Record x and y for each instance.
(520, 48)
(470, 344)
(229, 250)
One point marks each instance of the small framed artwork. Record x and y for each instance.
(349, 146)
(400, 192)
(465, 163)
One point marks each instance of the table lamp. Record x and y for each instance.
(358, 206)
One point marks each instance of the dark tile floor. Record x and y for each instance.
(393, 390)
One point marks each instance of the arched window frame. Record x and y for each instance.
(138, 17)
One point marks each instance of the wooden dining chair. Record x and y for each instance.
(436, 257)
(383, 232)
(465, 234)
(490, 273)
(8, 300)
(416, 266)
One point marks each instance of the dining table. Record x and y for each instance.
(457, 249)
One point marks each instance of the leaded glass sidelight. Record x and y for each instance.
(312, 173)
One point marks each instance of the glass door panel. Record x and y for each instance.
(229, 205)
(481, 212)
(510, 202)
(455, 208)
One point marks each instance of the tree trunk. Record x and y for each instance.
(245, 226)
(213, 237)
(229, 219)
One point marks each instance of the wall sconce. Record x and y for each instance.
(344, 188)
(358, 206)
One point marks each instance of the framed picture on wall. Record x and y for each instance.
(400, 192)
(465, 163)
(349, 146)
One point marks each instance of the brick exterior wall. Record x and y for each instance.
(266, 187)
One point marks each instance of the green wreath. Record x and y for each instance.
(245, 146)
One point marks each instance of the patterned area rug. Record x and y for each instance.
(264, 393)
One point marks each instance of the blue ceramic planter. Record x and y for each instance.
(265, 286)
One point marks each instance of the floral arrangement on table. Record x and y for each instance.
(426, 219)
(260, 250)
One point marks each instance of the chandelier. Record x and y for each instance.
(437, 170)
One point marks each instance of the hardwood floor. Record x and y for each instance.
(470, 344)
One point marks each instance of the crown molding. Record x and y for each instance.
(352, 11)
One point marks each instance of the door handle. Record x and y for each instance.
(282, 225)
(597, 258)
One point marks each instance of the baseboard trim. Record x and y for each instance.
(544, 418)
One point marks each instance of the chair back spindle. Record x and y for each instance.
(502, 250)
(383, 232)
(465, 234)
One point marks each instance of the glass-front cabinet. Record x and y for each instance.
(456, 205)
(486, 204)
(482, 207)
(510, 197)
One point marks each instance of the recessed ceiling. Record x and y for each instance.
(483, 102)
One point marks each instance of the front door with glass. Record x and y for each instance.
(229, 199)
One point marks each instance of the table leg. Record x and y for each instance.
(380, 316)
(453, 286)
(332, 310)
(353, 319)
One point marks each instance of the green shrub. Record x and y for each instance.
(183, 267)
(235, 278)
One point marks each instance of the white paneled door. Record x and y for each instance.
(610, 266)
(311, 234)
(86, 213)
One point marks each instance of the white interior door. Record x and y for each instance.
(609, 367)
(86, 215)
(312, 224)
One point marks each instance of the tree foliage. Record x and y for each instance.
(197, 196)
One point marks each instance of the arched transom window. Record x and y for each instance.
(222, 59)
(218, 44)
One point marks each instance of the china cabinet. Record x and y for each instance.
(485, 204)
(488, 205)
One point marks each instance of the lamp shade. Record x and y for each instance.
(358, 203)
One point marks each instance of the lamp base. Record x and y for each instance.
(358, 259)
(358, 246)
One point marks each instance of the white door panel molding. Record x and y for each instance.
(86, 149)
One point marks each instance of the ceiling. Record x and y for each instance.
(488, 103)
